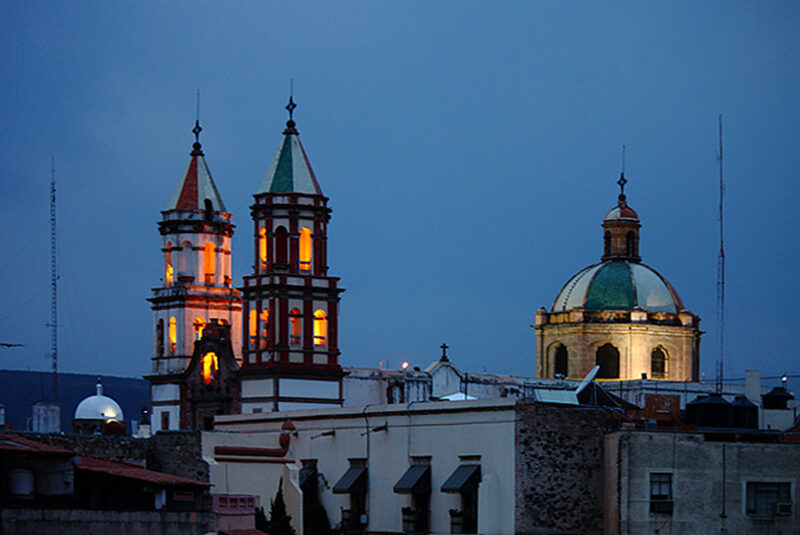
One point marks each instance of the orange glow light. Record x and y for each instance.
(320, 328)
(208, 261)
(305, 249)
(173, 334)
(262, 245)
(210, 368)
(199, 324)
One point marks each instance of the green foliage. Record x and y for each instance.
(280, 522)
(315, 518)
(262, 523)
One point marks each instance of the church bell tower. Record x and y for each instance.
(196, 285)
(290, 348)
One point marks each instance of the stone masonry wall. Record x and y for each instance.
(559, 469)
(172, 452)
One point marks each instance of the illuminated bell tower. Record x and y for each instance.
(290, 346)
(197, 284)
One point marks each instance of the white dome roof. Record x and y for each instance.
(98, 407)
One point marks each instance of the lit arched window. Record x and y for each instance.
(210, 368)
(608, 360)
(253, 327)
(173, 335)
(295, 319)
(169, 275)
(199, 324)
(305, 249)
(658, 363)
(320, 328)
(560, 364)
(208, 262)
(262, 246)
(264, 328)
(160, 338)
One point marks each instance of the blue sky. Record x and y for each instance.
(470, 151)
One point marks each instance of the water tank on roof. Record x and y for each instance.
(744, 412)
(713, 411)
(690, 411)
(777, 398)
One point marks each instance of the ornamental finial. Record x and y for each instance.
(290, 124)
(622, 180)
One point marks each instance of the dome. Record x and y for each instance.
(618, 285)
(621, 211)
(98, 407)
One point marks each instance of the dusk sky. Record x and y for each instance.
(469, 150)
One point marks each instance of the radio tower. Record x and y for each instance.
(53, 278)
(721, 272)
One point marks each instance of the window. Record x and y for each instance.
(280, 245)
(210, 368)
(253, 327)
(199, 324)
(262, 246)
(608, 360)
(305, 249)
(169, 274)
(320, 328)
(264, 328)
(560, 364)
(208, 262)
(658, 363)
(295, 319)
(160, 338)
(661, 493)
(630, 243)
(607, 243)
(173, 335)
(767, 499)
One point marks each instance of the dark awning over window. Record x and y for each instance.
(464, 479)
(416, 480)
(354, 481)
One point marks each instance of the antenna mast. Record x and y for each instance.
(53, 278)
(721, 270)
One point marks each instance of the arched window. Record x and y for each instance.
(630, 243)
(280, 245)
(608, 360)
(320, 328)
(253, 327)
(199, 324)
(208, 262)
(264, 328)
(560, 364)
(209, 209)
(173, 335)
(160, 338)
(262, 247)
(607, 243)
(658, 363)
(169, 274)
(210, 368)
(305, 249)
(295, 319)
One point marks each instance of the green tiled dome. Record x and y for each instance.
(618, 285)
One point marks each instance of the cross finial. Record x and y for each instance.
(196, 145)
(291, 106)
(290, 124)
(622, 180)
(444, 352)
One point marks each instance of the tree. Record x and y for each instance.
(280, 522)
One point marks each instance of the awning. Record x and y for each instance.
(416, 480)
(464, 479)
(354, 481)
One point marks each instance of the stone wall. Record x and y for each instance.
(81, 522)
(172, 452)
(559, 469)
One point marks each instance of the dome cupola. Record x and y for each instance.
(621, 229)
(98, 407)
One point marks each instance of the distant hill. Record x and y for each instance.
(19, 390)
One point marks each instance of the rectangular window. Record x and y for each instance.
(661, 493)
(766, 499)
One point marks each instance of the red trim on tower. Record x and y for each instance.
(188, 197)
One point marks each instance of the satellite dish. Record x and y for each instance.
(588, 379)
